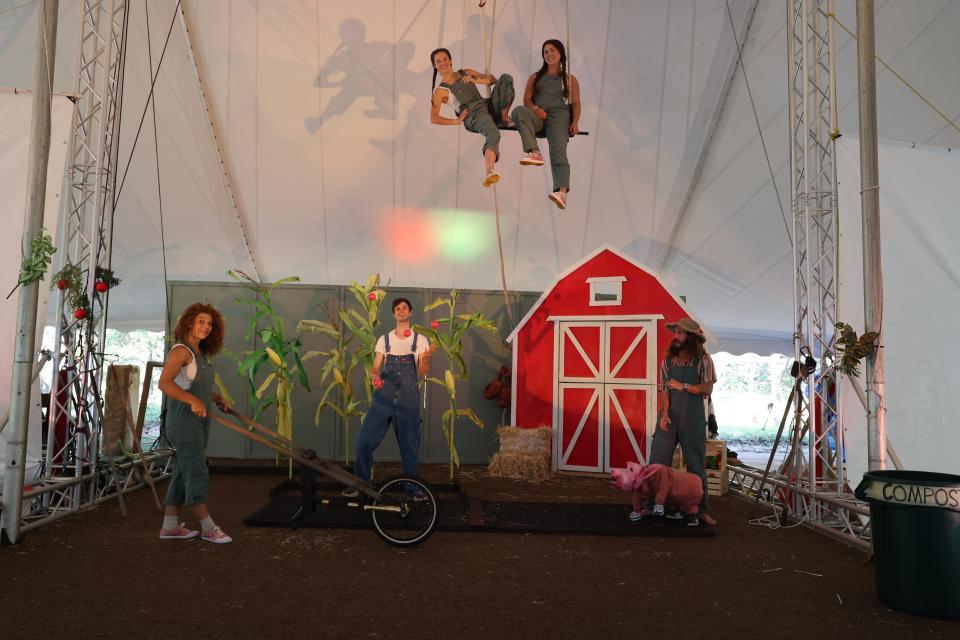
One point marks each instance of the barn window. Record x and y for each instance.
(606, 291)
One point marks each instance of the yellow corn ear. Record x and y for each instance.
(448, 378)
(274, 357)
(337, 375)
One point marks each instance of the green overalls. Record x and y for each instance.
(484, 115)
(687, 426)
(548, 95)
(188, 434)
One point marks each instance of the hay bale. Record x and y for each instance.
(524, 454)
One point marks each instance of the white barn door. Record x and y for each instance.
(605, 380)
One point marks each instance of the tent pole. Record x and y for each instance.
(24, 349)
(870, 209)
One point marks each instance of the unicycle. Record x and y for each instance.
(404, 512)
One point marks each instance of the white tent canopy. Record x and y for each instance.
(375, 187)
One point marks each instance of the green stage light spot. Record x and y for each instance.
(463, 234)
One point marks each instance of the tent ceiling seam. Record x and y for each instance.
(214, 132)
(694, 164)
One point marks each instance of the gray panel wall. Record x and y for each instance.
(484, 353)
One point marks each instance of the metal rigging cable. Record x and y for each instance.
(753, 105)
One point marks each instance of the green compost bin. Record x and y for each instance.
(915, 525)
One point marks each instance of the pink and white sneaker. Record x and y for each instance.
(216, 536)
(532, 159)
(178, 533)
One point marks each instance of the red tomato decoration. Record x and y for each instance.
(80, 313)
(62, 284)
(101, 286)
(372, 296)
(406, 333)
(434, 325)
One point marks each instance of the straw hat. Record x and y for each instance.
(690, 326)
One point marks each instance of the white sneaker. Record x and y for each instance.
(532, 159)
(216, 536)
(558, 199)
(658, 510)
(492, 178)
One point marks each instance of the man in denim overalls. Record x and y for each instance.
(686, 378)
(402, 359)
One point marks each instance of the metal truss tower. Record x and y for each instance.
(73, 476)
(811, 482)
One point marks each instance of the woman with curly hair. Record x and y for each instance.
(187, 381)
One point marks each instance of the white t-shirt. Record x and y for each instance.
(400, 346)
(451, 99)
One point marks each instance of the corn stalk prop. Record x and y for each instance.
(344, 328)
(276, 352)
(450, 341)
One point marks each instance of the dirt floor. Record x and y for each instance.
(97, 575)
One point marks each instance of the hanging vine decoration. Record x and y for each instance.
(69, 279)
(853, 349)
(105, 280)
(34, 266)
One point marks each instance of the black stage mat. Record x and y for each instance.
(328, 487)
(463, 514)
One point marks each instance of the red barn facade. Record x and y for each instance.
(586, 359)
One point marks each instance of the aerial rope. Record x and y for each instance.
(487, 60)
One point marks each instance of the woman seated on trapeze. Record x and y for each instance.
(551, 105)
(459, 90)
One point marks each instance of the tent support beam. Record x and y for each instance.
(25, 342)
(242, 220)
(870, 210)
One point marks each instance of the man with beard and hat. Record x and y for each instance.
(686, 379)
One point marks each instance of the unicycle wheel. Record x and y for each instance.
(405, 511)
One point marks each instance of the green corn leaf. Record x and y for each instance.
(301, 372)
(439, 302)
(437, 381)
(265, 384)
(347, 321)
(260, 304)
(281, 281)
(217, 380)
(461, 364)
(470, 415)
(360, 295)
(318, 326)
(362, 322)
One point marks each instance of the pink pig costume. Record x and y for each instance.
(680, 490)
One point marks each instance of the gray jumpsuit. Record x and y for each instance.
(188, 434)
(483, 115)
(687, 426)
(548, 95)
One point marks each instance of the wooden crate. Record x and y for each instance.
(716, 463)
